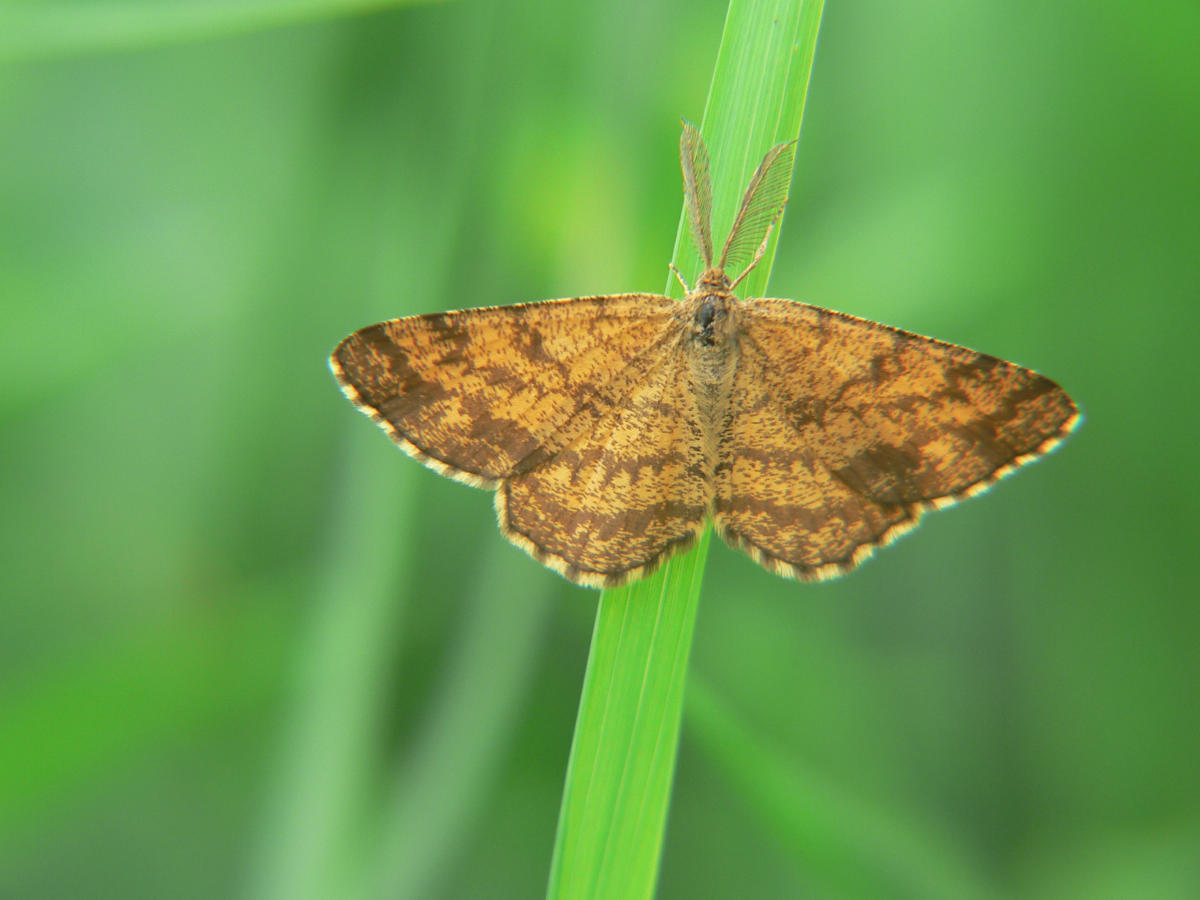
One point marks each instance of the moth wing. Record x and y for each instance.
(858, 427)
(482, 394)
(632, 490)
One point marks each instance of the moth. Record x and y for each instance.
(614, 428)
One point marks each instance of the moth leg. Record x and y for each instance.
(674, 269)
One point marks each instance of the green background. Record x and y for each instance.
(249, 649)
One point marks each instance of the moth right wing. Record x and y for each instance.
(482, 394)
(776, 498)
(900, 417)
(844, 430)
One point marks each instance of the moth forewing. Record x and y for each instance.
(697, 189)
(761, 205)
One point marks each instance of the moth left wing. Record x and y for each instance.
(481, 394)
(627, 494)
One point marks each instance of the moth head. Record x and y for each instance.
(713, 281)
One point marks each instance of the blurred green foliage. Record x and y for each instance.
(247, 648)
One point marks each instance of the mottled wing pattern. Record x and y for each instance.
(775, 497)
(482, 394)
(844, 430)
(629, 492)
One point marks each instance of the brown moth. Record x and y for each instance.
(613, 428)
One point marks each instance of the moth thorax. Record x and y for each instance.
(711, 323)
(711, 306)
(710, 338)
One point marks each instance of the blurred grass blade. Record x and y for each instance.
(847, 846)
(59, 29)
(322, 785)
(434, 801)
(73, 719)
(618, 784)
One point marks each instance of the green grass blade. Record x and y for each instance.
(623, 754)
(618, 784)
(58, 30)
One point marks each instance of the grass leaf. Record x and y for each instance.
(618, 784)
